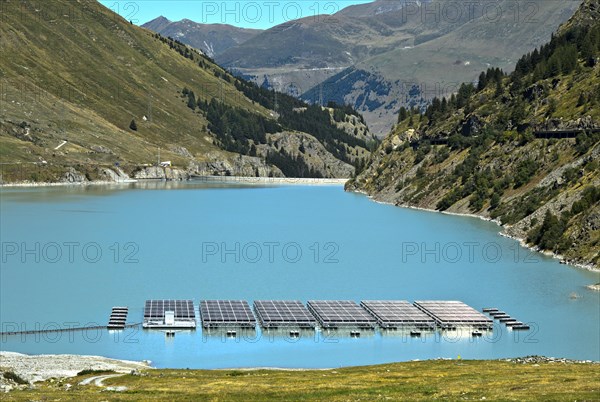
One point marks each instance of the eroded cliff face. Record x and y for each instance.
(316, 158)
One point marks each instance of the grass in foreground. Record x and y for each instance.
(413, 381)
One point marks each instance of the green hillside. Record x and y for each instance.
(75, 71)
(521, 148)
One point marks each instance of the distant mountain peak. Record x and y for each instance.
(160, 19)
(157, 24)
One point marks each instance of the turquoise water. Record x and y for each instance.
(70, 254)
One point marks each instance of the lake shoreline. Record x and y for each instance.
(503, 233)
(207, 179)
(42, 367)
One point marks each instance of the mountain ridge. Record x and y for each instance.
(212, 39)
(89, 96)
(522, 148)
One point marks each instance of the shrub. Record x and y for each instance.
(525, 171)
(91, 371)
(10, 375)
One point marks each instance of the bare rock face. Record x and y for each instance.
(116, 175)
(73, 176)
(314, 154)
(161, 173)
(240, 165)
(582, 123)
(179, 150)
(102, 149)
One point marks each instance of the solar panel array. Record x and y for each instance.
(219, 313)
(155, 309)
(335, 313)
(453, 313)
(183, 310)
(275, 313)
(397, 313)
(327, 313)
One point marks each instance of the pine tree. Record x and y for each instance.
(133, 125)
(444, 106)
(499, 89)
(482, 82)
(403, 114)
(192, 100)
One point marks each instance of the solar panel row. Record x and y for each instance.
(336, 313)
(328, 313)
(449, 314)
(397, 313)
(275, 313)
(216, 313)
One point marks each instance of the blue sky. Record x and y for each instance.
(260, 14)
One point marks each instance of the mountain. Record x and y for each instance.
(157, 24)
(86, 95)
(380, 56)
(523, 148)
(212, 39)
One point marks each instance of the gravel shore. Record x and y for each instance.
(42, 367)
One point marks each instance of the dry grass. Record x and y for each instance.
(413, 381)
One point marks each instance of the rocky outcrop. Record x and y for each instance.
(102, 149)
(116, 175)
(161, 173)
(312, 151)
(73, 176)
(241, 165)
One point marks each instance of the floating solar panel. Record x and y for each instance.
(338, 313)
(283, 313)
(393, 314)
(452, 314)
(169, 314)
(221, 313)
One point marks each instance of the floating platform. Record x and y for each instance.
(489, 309)
(513, 323)
(496, 313)
(452, 314)
(340, 313)
(118, 318)
(394, 314)
(502, 317)
(226, 313)
(169, 314)
(282, 313)
(521, 327)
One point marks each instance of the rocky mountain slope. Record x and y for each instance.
(85, 95)
(523, 148)
(387, 54)
(212, 39)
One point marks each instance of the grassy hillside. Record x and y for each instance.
(75, 71)
(414, 381)
(490, 149)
